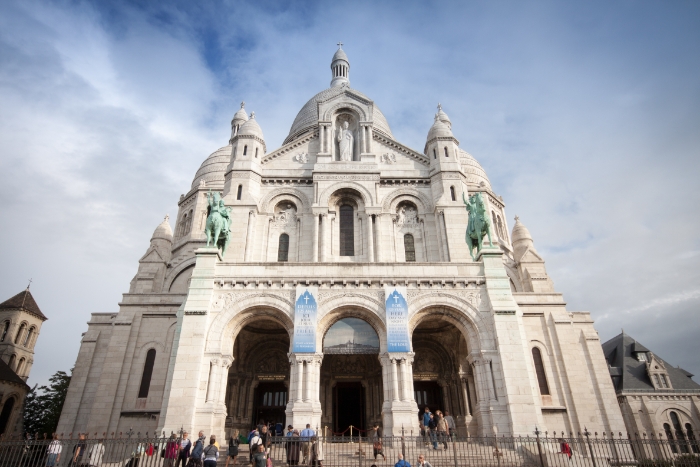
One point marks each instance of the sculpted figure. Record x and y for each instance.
(218, 226)
(345, 142)
(478, 225)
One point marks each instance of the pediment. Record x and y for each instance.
(152, 256)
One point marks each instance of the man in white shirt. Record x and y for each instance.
(54, 452)
(96, 453)
(451, 424)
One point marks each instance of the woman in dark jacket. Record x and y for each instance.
(232, 448)
(293, 446)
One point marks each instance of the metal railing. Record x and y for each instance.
(538, 450)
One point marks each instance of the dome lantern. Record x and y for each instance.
(239, 118)
(340, 66)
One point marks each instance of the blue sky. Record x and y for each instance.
(585, 116)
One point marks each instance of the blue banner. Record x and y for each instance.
(397, 339)
(305, 314)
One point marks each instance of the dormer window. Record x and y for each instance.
(642, 357)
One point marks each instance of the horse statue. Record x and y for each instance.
(218, 226)
(479, 223)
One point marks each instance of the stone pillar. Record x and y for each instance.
(370, 138)
(324, 236)
(321, 137)
(184, 403)
(517, 409)
(314, 242)
(249, 236)
(305, 406)
(370, 239)
(465, 396)
(396, 413)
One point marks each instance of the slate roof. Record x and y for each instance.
(23, 301)
(629, 374)
(7, 374)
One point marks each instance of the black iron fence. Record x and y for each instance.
(539, 450)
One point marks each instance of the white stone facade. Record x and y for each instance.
(221, 327)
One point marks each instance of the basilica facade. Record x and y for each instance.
(346, 214)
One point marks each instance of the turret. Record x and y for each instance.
(530, 265)
(20, 323)
(154, 263)
(239, 118)
(442, 148)
(243, 173)
(340, 67)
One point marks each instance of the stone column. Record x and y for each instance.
(314, 243)
(324, 236)
(396, 413)
(408, 377)
(465, 396)
(306, 406)
(370, 239)
(211, 383)
(424, 239)
(321, 137)
(249, 236)
(370, 138)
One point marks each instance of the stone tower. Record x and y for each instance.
(20, 324)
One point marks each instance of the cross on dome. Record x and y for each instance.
(340, 45)
(242, 104)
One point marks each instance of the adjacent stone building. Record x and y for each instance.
(654, 396)
(20, 324)
(202, 341)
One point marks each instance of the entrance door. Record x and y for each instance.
(270, 404)
(428, 394)
(348, 406)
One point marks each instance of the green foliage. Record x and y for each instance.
(43, 405)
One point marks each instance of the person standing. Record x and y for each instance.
(260, 458)
(54, 452)
(255, 441)
(432, 429)
(293, 448)
(183, 451)
(442, 429)
(266, 439)
(377, 446)
(290, 430)
(79, 450)
(232, 448)
(96, 453)
(196, 454)
(422, 462)
(306, 435)
(451, 424)
(316, 452)
(171, 450)
(210, 454)
(426, 425)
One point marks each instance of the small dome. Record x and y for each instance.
(521, 239)
(251, 127)
(439, 129)
(476, 175)
(241, 115)
(213, 168)
(442, 116)
(340, 55)
(163, 231)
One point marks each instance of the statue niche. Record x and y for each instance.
(345, 138)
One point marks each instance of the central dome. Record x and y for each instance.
(307, 118)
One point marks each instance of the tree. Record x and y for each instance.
(43, 405)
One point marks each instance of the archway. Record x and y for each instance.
(258, 380)
(351, 376)
(442, 378)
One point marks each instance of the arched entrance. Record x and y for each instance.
(442, 378)
(351, 376)
(258, 380)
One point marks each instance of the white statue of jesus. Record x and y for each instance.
(345, 142)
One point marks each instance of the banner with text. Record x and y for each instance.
(305, 314)
(397, 339)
